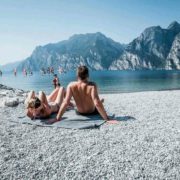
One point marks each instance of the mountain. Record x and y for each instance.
(10, 66)
(173, 59)
(94, 50)
(153, 49)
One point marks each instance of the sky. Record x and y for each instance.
(25, 24)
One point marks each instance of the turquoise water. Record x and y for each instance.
(107, 81)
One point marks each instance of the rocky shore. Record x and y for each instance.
(147, 147)
(10, 97)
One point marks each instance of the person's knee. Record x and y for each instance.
(57, 88)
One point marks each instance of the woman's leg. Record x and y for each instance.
(52, 97)
(60, 96)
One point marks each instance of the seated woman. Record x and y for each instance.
(43, 106)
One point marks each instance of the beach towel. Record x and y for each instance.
(70, 120)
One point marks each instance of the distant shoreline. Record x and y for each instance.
(110, 70)
(2, 86)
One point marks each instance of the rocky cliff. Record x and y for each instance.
(94, 50)
(155, 48)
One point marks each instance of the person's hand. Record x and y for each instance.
(53, 120)
(113, 121)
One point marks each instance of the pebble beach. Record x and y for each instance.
(147, 146)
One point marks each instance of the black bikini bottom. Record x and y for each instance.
(95, 112)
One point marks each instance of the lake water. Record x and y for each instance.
(107, 81)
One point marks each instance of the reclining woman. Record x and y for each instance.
(43, 106)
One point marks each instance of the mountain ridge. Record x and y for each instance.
(150, 50)
(155, 48)
(93, 49)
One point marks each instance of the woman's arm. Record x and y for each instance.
(31, 94)
(29, 113)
